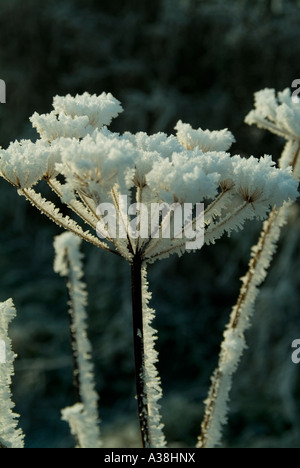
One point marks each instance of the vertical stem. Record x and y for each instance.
(76, 380)
(138, 339)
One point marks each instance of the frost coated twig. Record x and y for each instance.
(234, 337)
(79, 208)
(82, 208)
(147, 380)
(10, 435)
(152, 380)
(83, 416)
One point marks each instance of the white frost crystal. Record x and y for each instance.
(10, 435)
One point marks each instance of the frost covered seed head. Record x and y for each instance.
(87, 165)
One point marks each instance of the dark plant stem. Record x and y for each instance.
(138, 340)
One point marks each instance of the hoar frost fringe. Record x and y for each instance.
(83, 416)
(10, 435)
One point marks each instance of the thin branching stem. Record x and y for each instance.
(75, 205)
(139, 200)
(82, 208)
(209, 233)
(234, 320)
(124, 221)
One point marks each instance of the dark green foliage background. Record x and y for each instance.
(165, 60)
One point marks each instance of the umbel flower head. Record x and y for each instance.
(89, 166)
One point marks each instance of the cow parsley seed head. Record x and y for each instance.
(86, 165)
(278, 114)
(205, 140)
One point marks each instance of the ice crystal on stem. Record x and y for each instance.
(151, 378)
(10, 435)
(92, 170)
(83, 416)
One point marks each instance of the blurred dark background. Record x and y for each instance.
(165, 60)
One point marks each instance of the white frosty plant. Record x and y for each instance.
(90, 167)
